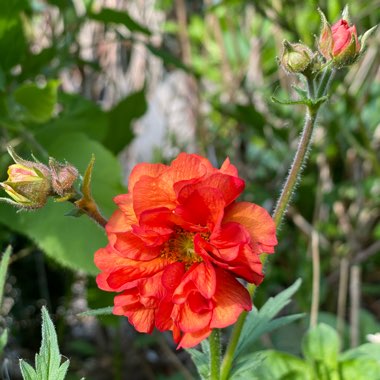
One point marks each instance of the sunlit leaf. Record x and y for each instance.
(37, 102)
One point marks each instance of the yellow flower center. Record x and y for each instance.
(180, 248)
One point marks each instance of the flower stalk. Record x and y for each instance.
(84, 202)
(313, 104)
(215, 355)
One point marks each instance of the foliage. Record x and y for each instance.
(48, 361)
(259, 322)
(3, 273)
(323, 359)
(232, 46)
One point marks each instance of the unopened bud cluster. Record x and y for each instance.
(296, 58)
(29, 183)
(338, 45)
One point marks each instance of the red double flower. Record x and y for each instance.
(177, 244)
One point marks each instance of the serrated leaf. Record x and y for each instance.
(49, 355)
(48, 360)
(112, 16)
(95, 312)
(260, 322)
(321, 344)
(37, 102)
(3, 270)
(70, 242)
(61, 374)
(27, 371)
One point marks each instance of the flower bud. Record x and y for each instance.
(296, 58)
(63, 177)
(28, 183)
(339, 42)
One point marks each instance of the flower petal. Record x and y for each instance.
(145, 169)
(131, 246)
(203, 207)
(120, 278)
(231, 298)
(199, 278)
(228, 168)
(190, 321)
(151, 193)
(257, 221)
(189, 340)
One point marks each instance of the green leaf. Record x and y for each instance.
(201, 359)
(120, 119)
(3, 340)
(78, 115)
(37, 102)
(27, 371)
(277, 365)
(71, 242)
(321, 344)
(261, 322)
(48, 360)
(112, 16)
(169, 58)
(244, 114)
(12, 38)
(49, 357)
(360, 369)
(3, 270)
(365, 351)
(96, 312)
(246, 366)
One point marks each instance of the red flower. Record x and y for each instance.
(343, 34)
(177, 244)
(339, 42)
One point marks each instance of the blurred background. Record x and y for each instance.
(143, 80)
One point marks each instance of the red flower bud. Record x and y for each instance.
(339, 42)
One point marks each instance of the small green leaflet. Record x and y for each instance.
(48, 361)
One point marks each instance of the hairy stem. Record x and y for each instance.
(296, 167)
(285, 197)
(215, 355)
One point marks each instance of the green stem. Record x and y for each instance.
(325, 83)
(215, 355)
(296, 167)
(283, 202)
(234, 340)
(310, 87)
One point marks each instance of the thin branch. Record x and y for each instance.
(355, 305)
(316, 279)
